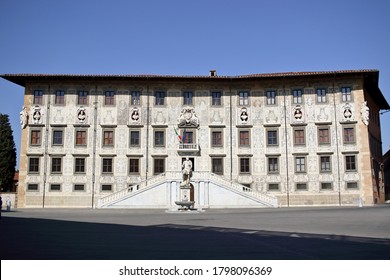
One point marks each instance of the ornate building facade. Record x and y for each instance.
(262, 140)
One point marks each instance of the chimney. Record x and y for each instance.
(213, 73)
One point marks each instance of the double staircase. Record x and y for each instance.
(213, 180)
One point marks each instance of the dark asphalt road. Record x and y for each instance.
(269, 234)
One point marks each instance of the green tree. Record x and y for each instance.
(7, 154)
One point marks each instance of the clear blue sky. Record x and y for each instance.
(190, 37)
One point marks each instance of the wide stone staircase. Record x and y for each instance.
(161, 186)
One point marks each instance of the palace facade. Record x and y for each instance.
(261, 140)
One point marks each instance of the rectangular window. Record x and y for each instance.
(326, 186)
(82, 98)
(346, 94)
(135, 98)
(55, 187)
(301, 187)
(187, 98)
(299, 136)
(187, 137)
(134, 166)
(321, 95)
(108, 138)
(32, 187)
(79, 165)
(106, 188)
(273, 187)
(271, 97)
(297, 96)
(109, 98)
(56, 165)
(217, 166)
(33, 165)
(300, 164)
(244, 165)
(216, 139)
(160, 98)
(272, 137)
(134, 138)
(325, 164)
(159, 138)
(79, 187)
(107, 165)
(244, 138)
(323, 136)
(244, 98)
(350, 163)
(273, 166)
(59, 97)
(216, 98)
(35, 139)
(352, 186)
(81, 137)
(349, 135)
(57, 137)
(159, 166)
(38, 97)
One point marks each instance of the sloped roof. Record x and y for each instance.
(371, 78)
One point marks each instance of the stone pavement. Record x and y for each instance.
(273, 234)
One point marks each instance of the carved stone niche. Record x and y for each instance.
(135, 116)
(298, 115)
(81, 116)
(188, 118)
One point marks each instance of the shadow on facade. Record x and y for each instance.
(43, 239)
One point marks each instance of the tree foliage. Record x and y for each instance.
(7, 154)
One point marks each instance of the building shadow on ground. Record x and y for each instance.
(44, 239)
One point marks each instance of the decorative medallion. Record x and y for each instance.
(135, 116)
(37, 115)
(347, 112)
(298, 115)
(81, 115)
(244, 115)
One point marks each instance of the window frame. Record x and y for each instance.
(303, 136)
(59, 97)
(161, 164)
(321, 95)
(82, 97)
(52, 189)
(107, 139)
(157, 138)
(272, 130)
(271, 98)
(134, 166)
(325, 166)
(107, 165)
(273, 164)
(216, 166)
(159, 97)
(245, 165)
(244, 142)
(56, 165)
(216, 142)
(345, 136)
(300, 164)
(109, 98)
(243, 98)
(346, 96)
(216, 98)
(38, 138)
(55, 137)
(38, 97)
(136, 97)
(350, 166)
(78, 190)
(79, 168)
(84, 139)
(297, 95)
(321, 137)
(188, 96)
(35, 165)
(134, 141)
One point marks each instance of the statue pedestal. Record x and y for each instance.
(185, 203)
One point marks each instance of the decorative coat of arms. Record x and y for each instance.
(37, 115)
(188, 118)
(135, 115)
(347, 112)
(298, 115)
(244, 115)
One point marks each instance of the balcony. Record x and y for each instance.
(187, 148)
